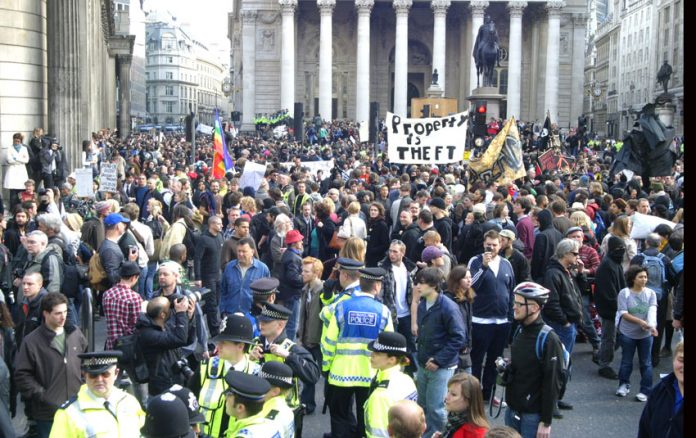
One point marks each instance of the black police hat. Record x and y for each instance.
(129, 269)
(389, 342)
(347, 264)
(167, 417)
(373, 273)
(277, 374)
(235, 328)
(246, 385)
(274, 312)
(189, 398)
(98, 362)
(264, 286)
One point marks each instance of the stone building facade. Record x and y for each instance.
(338, 56)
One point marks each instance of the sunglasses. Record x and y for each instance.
(105, 374)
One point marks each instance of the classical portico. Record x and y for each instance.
(337, 56)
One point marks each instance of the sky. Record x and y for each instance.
(207, 18)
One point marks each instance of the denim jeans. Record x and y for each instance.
(404, 327)
(525, 424)
(628, 349)
(588, 327)
(150, 279)
(432, 389)
(566, 335)
(43, 428)
(294, 305)
(142, 280)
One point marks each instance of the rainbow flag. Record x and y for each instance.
(222, 162)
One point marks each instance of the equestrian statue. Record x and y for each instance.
(486, 52)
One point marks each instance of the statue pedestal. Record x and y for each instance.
(492, 98)
(435, 91)
(665, 108)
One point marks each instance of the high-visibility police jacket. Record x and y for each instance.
(212, 396)
(257, 426)
(390, 386)
(352, 324)
(342, 296)
(85, 416)
(278, 411)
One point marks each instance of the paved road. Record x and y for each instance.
(597, 411)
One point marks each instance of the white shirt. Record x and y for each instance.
(400, 280)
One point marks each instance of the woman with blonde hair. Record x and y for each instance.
(353, 225)
(466, 412)
(621, 228)
(248, 205)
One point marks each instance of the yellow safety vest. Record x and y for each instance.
(86, 417)
(212, 396)
(257, 426)
(293, 396)
(391, 386)
(277, 410)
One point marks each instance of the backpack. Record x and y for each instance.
(191, 239)
(600, 227)
(656, 273)
(96, 272)
(539, 351)
(132, 359)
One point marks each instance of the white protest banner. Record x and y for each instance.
(83, 178)
(644, 224)
(205, 129)
(364, 131)
(253, 174)
(431, 141)
(280, 131)
(108, 177)
(313, 166)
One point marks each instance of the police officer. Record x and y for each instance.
(389, 352)
(264, 291)
(244, 401)
(195, 417)
(533, 376)
(274, 345)
(233, 343)
(167, 416)
(99, 409)
(349, 326)
(280, 377)
(348, 281)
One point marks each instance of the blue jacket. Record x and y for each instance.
(493, 294)
(659, 418)
(235, 294)
(441, 332)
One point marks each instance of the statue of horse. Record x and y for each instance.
(486, 52)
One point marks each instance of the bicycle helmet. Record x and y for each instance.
(532, 291)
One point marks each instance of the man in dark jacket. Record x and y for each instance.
(27, 315)
(290, 277)
(110, 252)
(160, 344)
(441, 336)
(441, 221)
(519, 263)
(663, 414)
(609, 280)
(47, 369)
(544, 244)
(207, 270)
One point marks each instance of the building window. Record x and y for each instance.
(169, 75)
(169, 107)
(169, 90)
(170, 59)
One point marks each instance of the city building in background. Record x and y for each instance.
(130, 20)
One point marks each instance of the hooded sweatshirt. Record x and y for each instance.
(544, 244)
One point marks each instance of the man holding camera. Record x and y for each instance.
(52, 164)
(161, 343)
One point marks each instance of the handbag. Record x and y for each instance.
(333, 244)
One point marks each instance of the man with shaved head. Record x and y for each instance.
(406, 420)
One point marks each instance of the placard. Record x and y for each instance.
(252, 175)
(108, 177)
(84, 182)
(433, 141)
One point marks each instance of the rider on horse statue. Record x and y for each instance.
(486, 51)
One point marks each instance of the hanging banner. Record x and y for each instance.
(502, 160)
(435, 140)
(313, 166)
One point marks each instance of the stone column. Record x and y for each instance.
(401, 57)
(478, 7)
(362, 97)
(249, 65)
(124, 94)
(66, 65)
(516, 9)
(439, 38)
(552, 54)
(578, 72)
(287, 73)
(326, 8)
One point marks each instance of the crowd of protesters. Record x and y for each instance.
(450, 252)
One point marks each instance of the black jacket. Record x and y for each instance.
(161, 350)
(25, 324)
(303, 365)
(377, 242)
(444, 228)
(533, 385)
(205, 262)
(389, 285)
(467, 314)
(520, 265)
(564, 304)
(609, 280)
(325, 234)
(544, 244)
(290, 277)
(658, 418)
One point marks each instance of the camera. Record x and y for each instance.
(182, 366)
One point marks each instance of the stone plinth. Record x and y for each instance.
(492, 98)
(434, 91)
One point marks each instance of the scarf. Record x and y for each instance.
(17, 147)
(455, 420)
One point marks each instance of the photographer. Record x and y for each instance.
(160, 342)
(52, 163)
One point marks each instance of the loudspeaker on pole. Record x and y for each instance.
(374, 121)
(298, 119)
